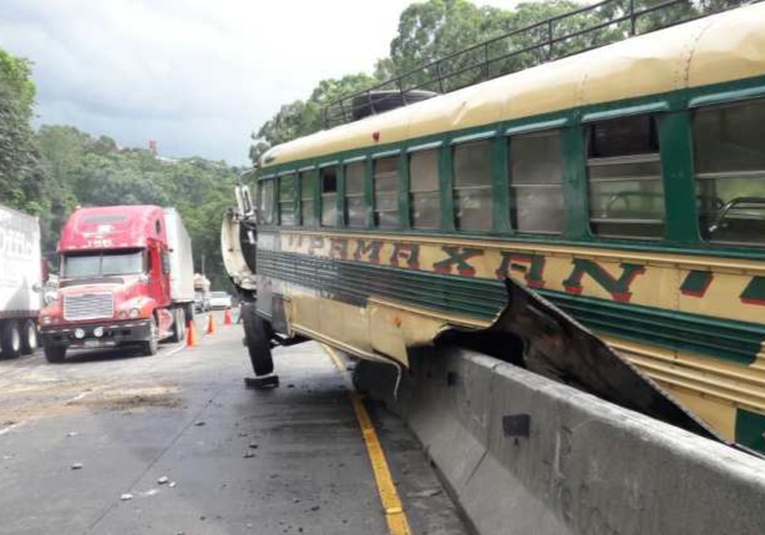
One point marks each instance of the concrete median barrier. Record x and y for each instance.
(525, 455)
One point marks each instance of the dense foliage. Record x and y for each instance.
(50, 172)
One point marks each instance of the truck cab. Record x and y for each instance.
(116, 283)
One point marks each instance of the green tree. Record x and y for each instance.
(22, 180)
(301, 118)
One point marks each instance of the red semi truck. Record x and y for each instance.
(126, 278)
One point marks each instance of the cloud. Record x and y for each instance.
(197, 76)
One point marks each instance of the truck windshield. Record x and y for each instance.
(98, 265)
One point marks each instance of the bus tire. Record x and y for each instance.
(55, 354)
(10, 339)
(29, 339)
(257, 338)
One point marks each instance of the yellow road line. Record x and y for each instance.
(394, 511)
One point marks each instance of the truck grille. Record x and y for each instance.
(88, 306)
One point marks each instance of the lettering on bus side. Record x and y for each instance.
(338, 248)
(696, 283)
(315, 244)
(368, 251)
(754, 293)
(532, 267)
(408, 252)
(457, 257)
(618, 288)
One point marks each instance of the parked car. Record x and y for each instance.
(220, 300)
(201, 302)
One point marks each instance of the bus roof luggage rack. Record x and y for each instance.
(574, 32)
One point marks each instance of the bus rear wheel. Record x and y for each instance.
(257, 338)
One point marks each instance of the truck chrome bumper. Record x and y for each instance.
(113, 333)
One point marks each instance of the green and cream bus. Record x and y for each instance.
(624, 184)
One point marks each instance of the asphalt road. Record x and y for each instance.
(77, 438)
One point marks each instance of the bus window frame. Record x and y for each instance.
(335, 165)
(301, 174)
(437, 147)
(654, 111)
(394, 153)
(710, 103)
(542, 130)
(262, 182)
(363, 194)
(488, 137)
(294, 174)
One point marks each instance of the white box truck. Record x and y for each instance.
(20, 282)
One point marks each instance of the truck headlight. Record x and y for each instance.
(46, 320)
(135, 313)
(98, 332)
(79, 334)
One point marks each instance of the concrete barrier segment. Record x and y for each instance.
(522, 454)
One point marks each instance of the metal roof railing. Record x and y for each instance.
(571, 33)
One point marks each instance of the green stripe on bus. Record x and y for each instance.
(750, 429)
(355, 282)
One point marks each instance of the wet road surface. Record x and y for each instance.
(114, 443)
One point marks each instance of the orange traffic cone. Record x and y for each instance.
(192, 337)
(227, 320)
(211, 324)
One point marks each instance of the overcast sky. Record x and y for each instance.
(198, 76)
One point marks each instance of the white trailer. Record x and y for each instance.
(181, 260)
(20, 282)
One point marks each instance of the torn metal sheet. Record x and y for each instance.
(558, 347)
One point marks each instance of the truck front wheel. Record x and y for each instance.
(257, 338)
(10, 339)
(151, 346)
(55, 354)
(29, 341)
(179, 325)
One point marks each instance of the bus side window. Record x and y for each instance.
(536, 177)
(287, 199)
(266, 201)
(729, 158)
(329, 196)
(624, 178)
(307, 199)
(355, 209)
(425, 199)
(386, 192)
(472, 185)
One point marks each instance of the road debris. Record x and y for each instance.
(253, 445)
(162, 480)
(249, 455)
(200, 424)
(171, 484)
(76, 466)
(125, 497)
